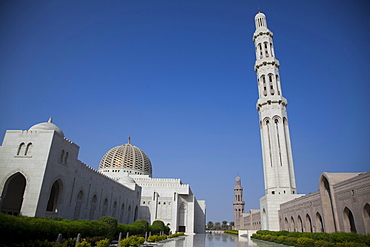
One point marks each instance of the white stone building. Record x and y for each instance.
(40, 175)
(165, 199)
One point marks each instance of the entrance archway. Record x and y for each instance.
(349, 221)
(286, 224)
(308, 224)
(13, 194)
(300, 224)
(52, 205)
(292, 225)
(327, 205)
(319, 223)
(182, 218)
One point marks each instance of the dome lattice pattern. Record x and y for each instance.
(127, 157)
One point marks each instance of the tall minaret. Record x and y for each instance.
(238, 203)
(276, 147)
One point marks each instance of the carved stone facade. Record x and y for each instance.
(341, 204)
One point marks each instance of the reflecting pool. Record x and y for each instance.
(215, 240)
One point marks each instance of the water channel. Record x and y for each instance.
(216, 240)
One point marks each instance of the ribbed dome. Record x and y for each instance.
(46, 126)
(127, 157)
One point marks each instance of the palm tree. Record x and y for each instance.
(224, 225)
(217, 226)
(210, 225)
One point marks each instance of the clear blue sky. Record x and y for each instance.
(179, 76)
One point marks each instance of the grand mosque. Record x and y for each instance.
(343, 200)
(41, 176)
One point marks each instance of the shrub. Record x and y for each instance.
(112, 225)
(156, 227)
(103, 243)
(156, 238)
(273, 238)
(162, 237)
(83, 244)
(323, 243)
(290, 240)
(306, 241)
(266, 237)
(132, 241)
(144, 223)
(256, 236)
(153, 238)
(176, 235)
(281, 239)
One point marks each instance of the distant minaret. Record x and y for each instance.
(275, 139)
(238, 203)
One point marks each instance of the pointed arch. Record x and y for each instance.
(299, 224)
(78, 206)
(129, 214)
(182, 216)
(93, 207)
(308, 223)
(54, 196)
(263, 78)
(327, 203)
(105, 207)
(65, 158)
(286, 224)
(114, 210)
(61, 157)
(28, 149)
(319, 223)
(349, 221)
(12, 195)
(292, 225)
(122, 213)
(21, 148)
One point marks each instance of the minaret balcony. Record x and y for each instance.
(271, 100)
(266, 61)
(262, 31)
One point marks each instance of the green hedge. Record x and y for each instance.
(236, 232)
(322, 239)
(43, 232)
(157, 238)
(18, 230)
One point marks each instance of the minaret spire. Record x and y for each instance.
(238, 203)
(129, 139)
(275, 138)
